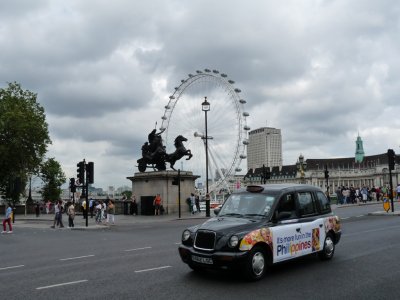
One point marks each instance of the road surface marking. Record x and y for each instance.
(360, 216)
(153, 269)
(12, 267)
(77, 257)
(178, 243)
(60, 284)
(345, 218)
(137, 249)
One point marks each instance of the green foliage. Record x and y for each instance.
(53, 178)
(127, 194)
(24, 138)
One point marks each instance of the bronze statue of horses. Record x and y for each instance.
(180, 151)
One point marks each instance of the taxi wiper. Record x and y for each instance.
(231, 215)
(254, 215)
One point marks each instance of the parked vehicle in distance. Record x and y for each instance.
(262, 225)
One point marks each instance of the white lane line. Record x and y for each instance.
(345, 218)
(153, 269)
(60, 284)
(77, 257)
(359, 216)
(178, 243)
(12, 267)
(137, 249)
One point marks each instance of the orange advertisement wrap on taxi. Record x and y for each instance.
(252, 238)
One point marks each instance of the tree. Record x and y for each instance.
(127, 194)
(53, 178)
(24, 137)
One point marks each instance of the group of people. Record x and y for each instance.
(130, 206)
(105, 211)
(59, 209)
(352, 195)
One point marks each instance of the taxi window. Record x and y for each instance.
(323, 202)
(287, 204)
(306, 204)
(247, 204)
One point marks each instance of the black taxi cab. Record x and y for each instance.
(262, 225)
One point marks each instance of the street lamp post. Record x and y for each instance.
(205, 106)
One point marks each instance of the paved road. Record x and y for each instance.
(139, 260)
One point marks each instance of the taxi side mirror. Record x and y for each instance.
(216, 211)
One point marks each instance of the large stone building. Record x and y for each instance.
(264, 148)
(371, 171)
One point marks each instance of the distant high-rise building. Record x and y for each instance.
(264, 148)
(359, 150)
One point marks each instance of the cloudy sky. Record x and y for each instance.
(321, 71)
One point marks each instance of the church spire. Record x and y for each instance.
(359, 150)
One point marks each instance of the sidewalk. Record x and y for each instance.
(376, 213)
(46, 220)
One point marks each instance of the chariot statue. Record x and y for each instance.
(154, 154)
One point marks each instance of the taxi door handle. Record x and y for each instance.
(298, 229)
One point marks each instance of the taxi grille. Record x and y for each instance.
(205, 240)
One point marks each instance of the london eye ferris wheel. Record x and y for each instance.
(226, 127)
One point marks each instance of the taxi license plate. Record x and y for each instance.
(202, 260)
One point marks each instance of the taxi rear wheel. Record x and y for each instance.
(256, 264)
(329, 248)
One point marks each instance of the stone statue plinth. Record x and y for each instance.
(147, 185)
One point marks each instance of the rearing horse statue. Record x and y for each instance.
(179, 152)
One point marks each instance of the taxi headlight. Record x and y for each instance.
(185, 235)
(233, 241)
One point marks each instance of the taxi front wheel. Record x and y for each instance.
(255, 264)
(329, 248)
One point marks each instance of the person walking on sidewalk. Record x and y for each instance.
(58, 210)
(193, 203)
(110, 212)
(71, 215)
(7, 219)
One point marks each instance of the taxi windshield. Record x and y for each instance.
(247, 205)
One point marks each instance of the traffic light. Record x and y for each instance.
(175, 181)
(72, 185)
(391, 158)
(90, 172)
(81, 172)
(326, 172)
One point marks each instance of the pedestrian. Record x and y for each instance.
(197, 201)
(91, 207)
(37, 209)
(58, 210)
(157, 204)
(126, 205)
(104, 209)
(7, 219)
(193, 203)
(398, 191)
(71, 215)
(364, 194)
(110, 212)
(48, 206)
(134, 206)
(131, 204)
(84, 212)
(98, 212)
